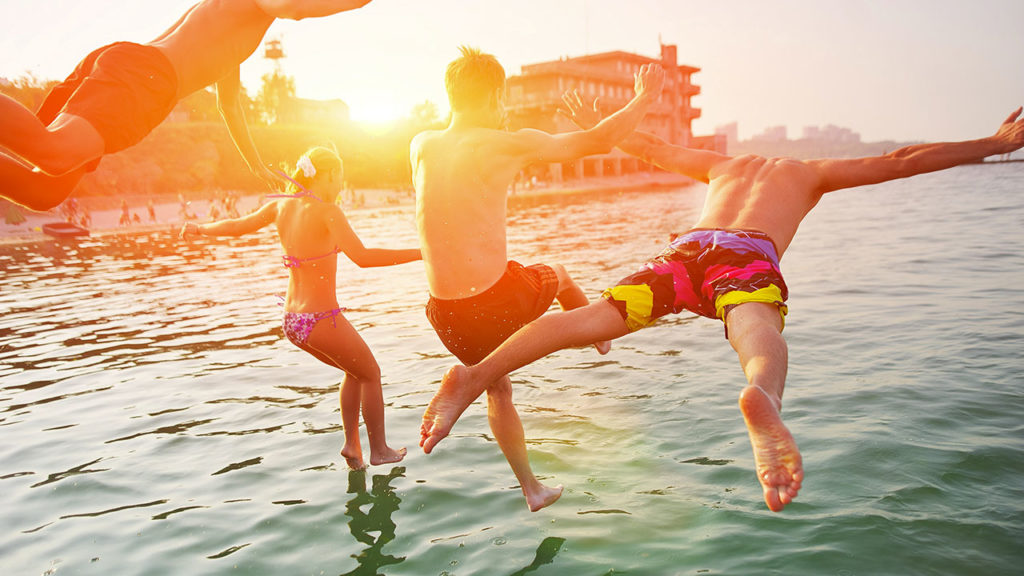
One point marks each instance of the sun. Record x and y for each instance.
(374, 109)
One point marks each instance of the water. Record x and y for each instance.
(154, 420)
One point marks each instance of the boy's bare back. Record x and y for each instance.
(771, 195)
(461, 185)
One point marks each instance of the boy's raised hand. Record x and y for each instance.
(647, 82)
(582, 115)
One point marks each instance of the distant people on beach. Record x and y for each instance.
(214, 213)
(725, 267)
(122, 91)
(462, 175)
(313, 230)
(126, 216)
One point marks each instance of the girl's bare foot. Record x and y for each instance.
(353, 457)
(388, 456)
(542, 496)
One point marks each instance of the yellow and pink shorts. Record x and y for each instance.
(705, 271)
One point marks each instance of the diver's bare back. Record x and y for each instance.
(461, 197)
(211, 40)
(770, 195)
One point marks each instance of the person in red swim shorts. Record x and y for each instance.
(120, 92)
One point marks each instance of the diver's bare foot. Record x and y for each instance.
(353, 457)
(542, 496)
(388, 456)
(779, 466)
(451, 400)
(603, 347)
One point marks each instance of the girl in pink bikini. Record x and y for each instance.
(313, 230)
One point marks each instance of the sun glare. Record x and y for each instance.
(374, 109)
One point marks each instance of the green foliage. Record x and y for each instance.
(28, 90)
(276, 96)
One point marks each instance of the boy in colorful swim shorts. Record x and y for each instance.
(462, 175)
(726, 267)
(313, 231)
(122, 91)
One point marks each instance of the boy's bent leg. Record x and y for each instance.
(570, 297)
(66, 144)
(33, 189)
(462, 385)
(508, 431)
(755, 333)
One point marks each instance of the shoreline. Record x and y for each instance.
(105, 213)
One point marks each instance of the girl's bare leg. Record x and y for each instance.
(341, 346)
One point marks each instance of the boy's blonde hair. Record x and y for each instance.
(472, 79)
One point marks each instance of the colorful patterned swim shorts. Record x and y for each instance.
(705, 271)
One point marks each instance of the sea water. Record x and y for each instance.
(155, 421)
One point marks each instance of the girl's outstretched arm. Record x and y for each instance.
(346, 240)
(234, 226)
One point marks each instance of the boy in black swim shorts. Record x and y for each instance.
(470, 328)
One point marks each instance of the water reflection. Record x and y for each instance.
(546, 553)
(382, 502)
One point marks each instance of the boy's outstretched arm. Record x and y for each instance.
(229, 103)
(836, 174)
(537, 146)
(696, 164)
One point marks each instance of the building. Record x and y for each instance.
(533, 98)
(772, 134)
(316, 112)
(731, 132)
(832, 134)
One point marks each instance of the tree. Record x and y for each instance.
(425, 116)
(276, 97)
(27, 89)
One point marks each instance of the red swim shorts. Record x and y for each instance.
(123, 89)
(471, 328)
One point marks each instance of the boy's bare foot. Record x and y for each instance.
(603, 347)
(451, 400)
(389, 456)
(779, 466)
(542, 496)
(353, 457)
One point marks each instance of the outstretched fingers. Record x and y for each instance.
(583, 116)
(1013, 116)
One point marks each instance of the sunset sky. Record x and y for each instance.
(888, 69)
